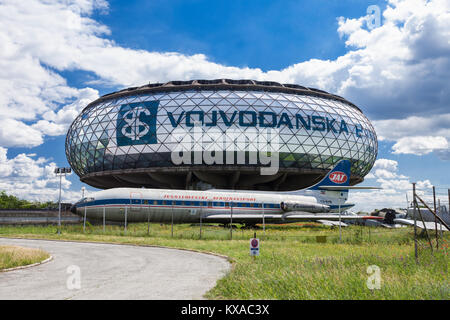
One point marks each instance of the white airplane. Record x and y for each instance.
(319, 202)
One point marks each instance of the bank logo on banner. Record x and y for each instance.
(136, 123)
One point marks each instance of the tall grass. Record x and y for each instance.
(291, 265)
(13, 256)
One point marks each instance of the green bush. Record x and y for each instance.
(12, 202)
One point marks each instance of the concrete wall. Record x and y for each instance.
(36, 216)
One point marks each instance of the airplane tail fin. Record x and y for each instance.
(337, 179)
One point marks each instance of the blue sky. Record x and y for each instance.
(60, 56)
(259, 34)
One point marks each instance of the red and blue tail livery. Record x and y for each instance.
(339, 176)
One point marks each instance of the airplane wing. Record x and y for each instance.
(311, 216)
(290, 216)
(332, 223)
(420, 224)
(238, 217)
(338, 188)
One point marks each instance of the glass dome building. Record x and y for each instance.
(126, 138)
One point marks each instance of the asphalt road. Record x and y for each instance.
(108, 271)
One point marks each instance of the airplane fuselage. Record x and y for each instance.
(222, 206)
(188, 206)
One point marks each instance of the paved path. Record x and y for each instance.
(112, 272)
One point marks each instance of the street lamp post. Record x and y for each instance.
(60, 172)
(340, 230)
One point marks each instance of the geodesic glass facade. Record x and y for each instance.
(133, 132)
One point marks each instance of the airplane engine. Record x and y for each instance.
(388, 216)
(305, 207)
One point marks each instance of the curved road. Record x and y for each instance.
(109, 271)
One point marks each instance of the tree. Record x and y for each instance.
(12, 202)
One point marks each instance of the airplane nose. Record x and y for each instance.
(73, 209)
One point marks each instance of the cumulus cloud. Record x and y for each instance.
(385, 169)
(420, 145)
(394, 194)
(397, 70)
(394, 129)
(417, 135)
(396, 188)
(386, 164)
(29, 178)
(411, 104)
(17, 133)
(56, 123)
(29, 87)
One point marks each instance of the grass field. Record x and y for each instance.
(292, 264)
(13, 256)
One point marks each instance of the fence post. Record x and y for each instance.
(425, 228)
(415, 221)
(201, 213)
(231, 222)
(264, 221)
(340, 231)
(439, 205)
(431, 210)
(59, 206)
(148, 220)
(84, 220)
(126, 213)
(435, 219)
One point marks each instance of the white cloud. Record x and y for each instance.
(384, 174)
(56, 123)
(369, 201)
(17, 133)
(393, 194)
(395, 188)
(394, 184)
(419, 145)
(399, 69)
(386, 164)
(385, 169)
(370, 175)
(411, 52)
(32, 179)
(394, 129)
(417, 135)
(29, 87)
